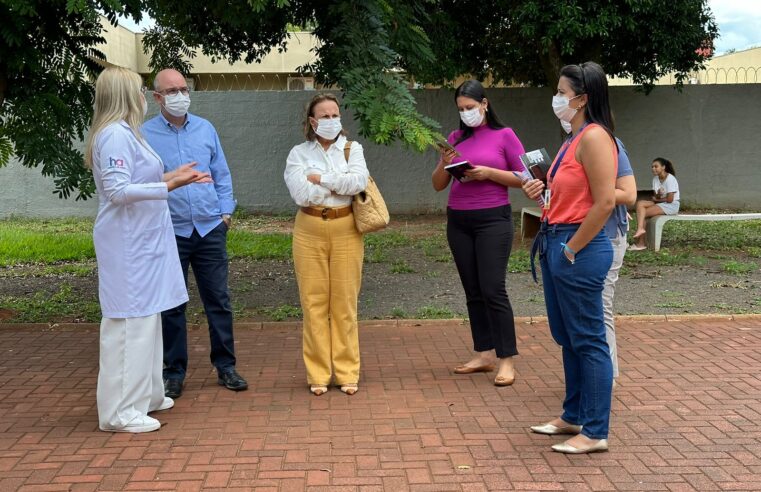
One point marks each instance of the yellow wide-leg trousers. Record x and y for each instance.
(328, 255)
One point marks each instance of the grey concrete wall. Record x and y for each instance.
(709, 132)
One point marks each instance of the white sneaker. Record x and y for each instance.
(636, 247)
(165, 405)
(137, 425)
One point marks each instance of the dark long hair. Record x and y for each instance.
(474, 90)
(667, 164)
(589, 78)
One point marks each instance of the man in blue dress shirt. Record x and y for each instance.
(201, 218)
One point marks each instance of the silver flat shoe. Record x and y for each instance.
(553, 430)
(564, 447)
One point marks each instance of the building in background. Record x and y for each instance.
(276, 71)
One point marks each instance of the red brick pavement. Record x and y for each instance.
(686, 416)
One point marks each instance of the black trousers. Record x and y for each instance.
(481, 241)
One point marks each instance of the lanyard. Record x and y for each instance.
(559, 159)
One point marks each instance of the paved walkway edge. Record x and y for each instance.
(373, 323)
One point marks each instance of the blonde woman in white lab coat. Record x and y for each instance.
(139, 272)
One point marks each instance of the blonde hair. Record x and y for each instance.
(117, 98)
(317, 99)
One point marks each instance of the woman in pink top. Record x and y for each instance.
(480, 226)
(576, 255)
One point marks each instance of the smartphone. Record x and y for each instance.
(444, 146)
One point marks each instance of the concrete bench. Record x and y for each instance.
(655, 224)
(531, 220)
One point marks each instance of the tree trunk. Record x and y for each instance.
(551, 64)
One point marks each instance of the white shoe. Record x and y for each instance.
(137, 425)
(553, 430)
(636, 247)
(165, 405)
(564, 447)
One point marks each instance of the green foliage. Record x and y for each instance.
(43, 307)
(719, 235)
(47, 59)
(398, 312)
(370, 49)
(739, 268)
(530, 40)
(362, 43)
(283, 312)
(45, 242)
(435, 312)
(166, 50)
(520, 261)
(386, 239)
(401, 266)
(435, 246)
(256, 246)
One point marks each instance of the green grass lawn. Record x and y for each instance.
(70, 240)
(63, 248)
(45, 241)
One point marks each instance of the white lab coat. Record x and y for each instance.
(139, 269)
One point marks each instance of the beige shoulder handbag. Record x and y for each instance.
(370, 212)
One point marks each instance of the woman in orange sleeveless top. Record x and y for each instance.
(575, 255)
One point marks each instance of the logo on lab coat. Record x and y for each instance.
(115, 162)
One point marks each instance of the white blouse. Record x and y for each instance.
(139, 272)
(339, 180)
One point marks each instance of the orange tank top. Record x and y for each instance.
(570, 195)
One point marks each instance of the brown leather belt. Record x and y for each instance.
(327, 213)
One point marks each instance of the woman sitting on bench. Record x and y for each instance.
(665, 200)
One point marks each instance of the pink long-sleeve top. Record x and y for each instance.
(498, 149)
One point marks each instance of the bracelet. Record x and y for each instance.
(566, 248)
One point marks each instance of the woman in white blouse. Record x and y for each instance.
(322, 175)
(139, 272)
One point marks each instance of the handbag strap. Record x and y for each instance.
(347, 150)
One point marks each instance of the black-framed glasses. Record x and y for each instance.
(173, 91)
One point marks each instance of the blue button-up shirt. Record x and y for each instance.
(198, 206)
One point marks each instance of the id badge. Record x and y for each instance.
(547, 196)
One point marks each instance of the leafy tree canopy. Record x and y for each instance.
(371, 49)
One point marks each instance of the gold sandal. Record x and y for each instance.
(349, 389)
(318, 389)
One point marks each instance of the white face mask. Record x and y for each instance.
(472, 117)
(328, 128)
(566, 126)
(177, 105)
(562, 110)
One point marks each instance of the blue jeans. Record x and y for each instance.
(208, 257)
(573, 294)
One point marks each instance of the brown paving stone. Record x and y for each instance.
(684, 415)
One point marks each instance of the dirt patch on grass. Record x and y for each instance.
(408, 273)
